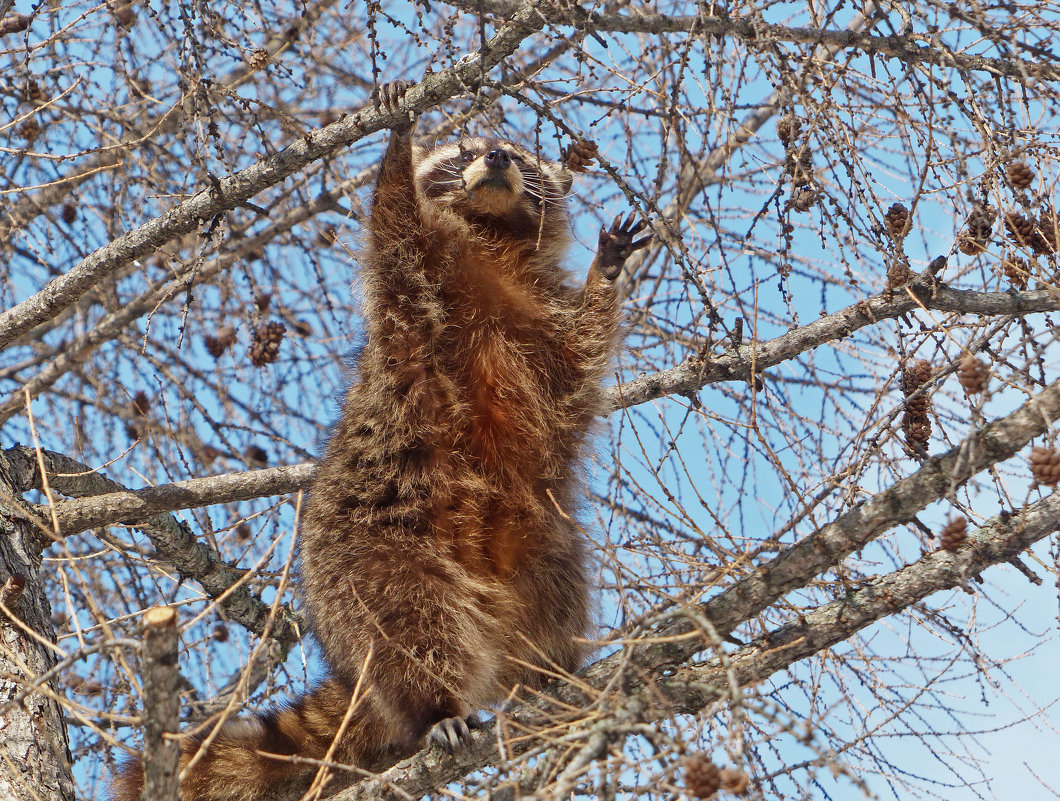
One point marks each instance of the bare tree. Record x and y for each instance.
(828, 474)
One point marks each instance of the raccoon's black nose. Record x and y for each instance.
(498, 159)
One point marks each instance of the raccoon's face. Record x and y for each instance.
(492, 178)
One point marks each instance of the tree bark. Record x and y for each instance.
(34, 749)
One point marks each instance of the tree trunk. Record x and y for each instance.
(34, 750)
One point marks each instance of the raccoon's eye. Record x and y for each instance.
(467, 157)
(518, 159)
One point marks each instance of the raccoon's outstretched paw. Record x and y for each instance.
(387, 98)
(617, 243)
(453, 734)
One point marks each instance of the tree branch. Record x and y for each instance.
(695, 372)
(161, 715)
(172, 539)
(905, 47)
(136, 506)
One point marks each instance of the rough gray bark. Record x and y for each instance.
(34, 751)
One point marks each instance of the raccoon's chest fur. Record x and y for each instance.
(505, 345)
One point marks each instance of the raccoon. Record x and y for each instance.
(441, 561)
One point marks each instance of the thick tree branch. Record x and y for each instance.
(136, 506)
(161, 693)
(34, 748)
(695, 373)
(909, 48)
(172, 539)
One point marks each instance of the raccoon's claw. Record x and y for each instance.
(453, 734)
(617, 243)
(387, 98)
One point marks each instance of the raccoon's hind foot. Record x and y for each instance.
(453, 734)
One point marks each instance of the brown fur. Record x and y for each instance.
(440, 563)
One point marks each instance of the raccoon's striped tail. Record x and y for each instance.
(271, 755)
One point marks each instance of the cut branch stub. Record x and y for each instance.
(161, 716)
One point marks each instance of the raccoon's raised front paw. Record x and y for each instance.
(387, 98)
(616, 244)
(452, 734)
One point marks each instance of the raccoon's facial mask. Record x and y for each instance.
(491, 177)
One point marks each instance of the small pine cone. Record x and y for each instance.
(788, 128)
(896, 219)
(29, 130)
(266, 345)
(140, 404)
(262, 301)
(803, 199)
(1048, 233)
(702, 777)
(1020, 174)
(953, 533)
(220, 633)
(91, 687)
(1015, 270)
(969, 246)
(973, 375)
(217, 345)
(256, 453)
(980, 222)
(208, 454)
(243, 532)
(132, 431)
(1020, 229)
(898, 274)
(1045, 465)
(301, 328)
(139, 87)
(918, 406)
(258, 59)
(734, 781)
(69, 212)
(124, 15)
(915, 376)
(580, 155)
(32, 92)
(917, 433)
